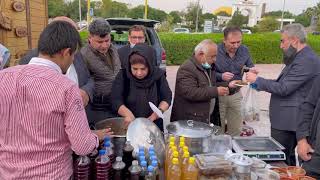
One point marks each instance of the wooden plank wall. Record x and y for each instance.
(38, 16)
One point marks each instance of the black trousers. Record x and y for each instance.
(312, 167)
(288, 140)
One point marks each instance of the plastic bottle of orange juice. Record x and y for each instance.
(192, 171)
(169, 157)
(184, 163)
(174, 170)
(175, 154)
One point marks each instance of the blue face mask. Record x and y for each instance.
(206, 65)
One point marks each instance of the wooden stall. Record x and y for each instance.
(21, 22)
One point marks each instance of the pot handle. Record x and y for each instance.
(190, 123)
(214, 131)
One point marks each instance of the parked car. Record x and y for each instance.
(246, 31)
(181, 30)
(315, 33)
(119, 35)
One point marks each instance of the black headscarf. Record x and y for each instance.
(154, 74)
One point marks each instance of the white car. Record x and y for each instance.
(181, 30)
(246, 31)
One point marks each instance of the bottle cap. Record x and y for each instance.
(144, 163)
(151, 153)
(192, 160)
(142, 158)
(181, 139)
(154, 163)
(154, 157)
(174, 148)
(171, 139)
(141, 149)
(106, 138)
(102, 152)
(151, 148)
(118, 158)
(186, 154)
(175, 161)
(185, 148)
(150, 168)
(135, 162)
(171, 144)
(181, 144)
(141, 153)
(106, 144)
(175, 154)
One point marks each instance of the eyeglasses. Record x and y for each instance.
(137, 37)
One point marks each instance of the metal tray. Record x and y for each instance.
(258, 144)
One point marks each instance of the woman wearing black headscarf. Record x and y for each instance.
(139, 83)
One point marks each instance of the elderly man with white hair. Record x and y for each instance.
(196, 89)
(290, 89)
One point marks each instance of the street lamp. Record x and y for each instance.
(80, 12)
(284, 4)
(197, 18)
(146, 9)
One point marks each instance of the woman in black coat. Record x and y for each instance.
(138, 84)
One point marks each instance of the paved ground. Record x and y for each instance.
(262, 127)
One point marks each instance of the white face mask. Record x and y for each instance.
(132, 45)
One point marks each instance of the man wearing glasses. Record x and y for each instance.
(136, 36)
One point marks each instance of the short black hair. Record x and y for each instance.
(99, 27)
(137, 28)
(231, 29)
(57, 36)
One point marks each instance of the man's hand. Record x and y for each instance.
(304, 150)
(153, 117)
(251, 77)
(233, 83)
(227, 76)
(85, 97)
(254, 70)
(223, 91)
(102, 133)
(128, 119)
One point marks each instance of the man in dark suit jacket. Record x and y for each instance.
(136, 36)
(291, 87)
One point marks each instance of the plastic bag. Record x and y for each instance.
(250, 110)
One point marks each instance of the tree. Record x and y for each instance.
(119, 9)
(238, 19)
(105, 10)
(176, 15)
(55, 8)
(191, 14)
(155, 14)
(278, 14)
(303, 19)
(223, 13)
(268, 24)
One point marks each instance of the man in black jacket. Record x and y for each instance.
(308, 133)
(136, 36)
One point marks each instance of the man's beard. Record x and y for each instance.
(289, 55)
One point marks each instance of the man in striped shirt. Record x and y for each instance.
(41, 111)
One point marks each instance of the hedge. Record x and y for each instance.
(263, 47)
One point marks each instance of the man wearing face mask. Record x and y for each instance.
(196, 87)
(232, 57)
(103, 63)
(291, 88)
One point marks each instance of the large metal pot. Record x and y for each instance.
(120, 131)
(197, 134)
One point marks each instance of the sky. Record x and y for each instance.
(294, 6)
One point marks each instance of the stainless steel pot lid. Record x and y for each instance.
(190, 129)
(116, 124)
(143, 132)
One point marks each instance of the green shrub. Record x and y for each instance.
(263, 47)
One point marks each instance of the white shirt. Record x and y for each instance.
(71, 72)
